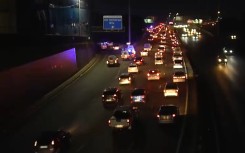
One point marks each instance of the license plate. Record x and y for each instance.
(119, 126)
(43, 147)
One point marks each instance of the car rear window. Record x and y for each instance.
(120, 114)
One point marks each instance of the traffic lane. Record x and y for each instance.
(71, 109)
(230, 103)
(148, 119)
(202, 55)
(136, 144)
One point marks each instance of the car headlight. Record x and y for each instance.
(231, 51)
(225, 60)
(219, 60)
(225, 51)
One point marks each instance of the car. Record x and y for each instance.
(161, 49)
(171, 89)
(138, 95)
(222, 59)
(158, 60)
(144, 53)
(228, 51)
(52, 141)
(123, 118)
(177, 50)
(133, 68)
(103, 45)
(179, 76)
(139, 60)
(167, 114)
(147, 46)
(178, 64)
(177, 56)
(112, 60)
(111, 96)
(125, 78)
(116, 47)
(153, 74)
(158, 54)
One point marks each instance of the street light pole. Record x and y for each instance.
(79, 24)
(129, 22)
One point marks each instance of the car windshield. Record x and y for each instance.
(138, 92)
(179, 73)
(168, 110)
(171, 86)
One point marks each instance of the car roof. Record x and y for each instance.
(153, 71)
(110, 90)
(179, 73)
(125, 74)
(171, 85)
(221, 56)
(168, 109)
(112, 56)
(138, 91)
(133, 64)
(47, 136)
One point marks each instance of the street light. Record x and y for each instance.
(129, 22)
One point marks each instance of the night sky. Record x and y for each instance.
(228, 8)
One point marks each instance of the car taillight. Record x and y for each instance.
(157, 74)
(158, 115)
(109, 121)
(128, 120)
(148, 74)
(173, 115)
(129, 78)
(103, 95)
(52, 142)
(143, 96)
(119, 78)
(115, 95)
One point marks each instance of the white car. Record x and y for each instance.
(144, 53)
(171, 89)
(147, 47)
(123, 118)
(178, 64)
(133, 68)
(125, 78)
(153, 74)
(179, 76)
(177, 56)
(158, 60)
(177, 50)
(158, 54)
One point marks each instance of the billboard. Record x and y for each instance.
(112, 22)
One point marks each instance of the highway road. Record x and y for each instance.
(78, 109)
(211, 107)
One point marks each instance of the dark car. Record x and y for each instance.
(222, 59)
(138, 95)
(167, 114)
(111, 96)
(123, 117)
(139, 60)
(52, 141)
(112, 60)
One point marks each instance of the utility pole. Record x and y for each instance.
(129, 22)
